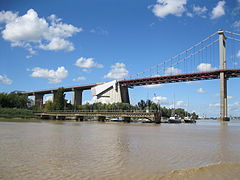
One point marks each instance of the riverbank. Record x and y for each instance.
(16, 113)
(220, 171)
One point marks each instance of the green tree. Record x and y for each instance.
(194, 115)
(13, 100)
(180, 112)
(48, 106)
(59, 101)
(142, 105)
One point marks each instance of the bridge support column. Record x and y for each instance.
(111, 92)
(77, 100)
(124, 94)
(54, 95)
(157, 117)
(38, 99)
(223, 79)
(223, 98)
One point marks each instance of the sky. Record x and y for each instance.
(50, 44)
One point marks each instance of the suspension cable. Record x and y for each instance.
(232, 33)
(233, 38)
(197, 52)
(174, 57)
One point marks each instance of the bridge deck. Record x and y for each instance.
(66, 89)
(230, 73)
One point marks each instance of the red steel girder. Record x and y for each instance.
(229, 73)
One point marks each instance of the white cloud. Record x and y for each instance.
(219, 10)
(118, 71)
(191, 82)
(200, 11)
(167, 7)
(28, 56)
(81, 78)
(25, 28)
(99, 31)
(59, 29)
(31, 32)
(236, 24)
(48, 98)
(53, 76)
(86, 70)
(205, 67)
(234, 108)
(217, 95)
(180, 104)
(214, 105)
(172, 70)
(229, 97)
(189, 14)
(7, 16)
(93, 100)
(153, 86)
(87, 63)
(5, 80)
(57, 44)
(236, 104)
(159, 99)
(201, 90)
(238, 54)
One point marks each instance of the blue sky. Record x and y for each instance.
(48, 44)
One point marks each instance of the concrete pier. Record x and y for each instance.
(124, 94)
(223, 79)
(38, 99)
(111, 92)
(76, 89)
(77, 97)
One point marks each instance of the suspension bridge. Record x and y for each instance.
(215, 57)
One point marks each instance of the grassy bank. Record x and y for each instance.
(16, 113)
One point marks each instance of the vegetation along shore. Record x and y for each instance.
(17, 105)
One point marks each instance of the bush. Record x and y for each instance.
(16, 113)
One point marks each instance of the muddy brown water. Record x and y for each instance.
(92, 150)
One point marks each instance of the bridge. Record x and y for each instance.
(229, 73)
(101, 115)
(209, 58)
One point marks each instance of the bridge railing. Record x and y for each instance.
(96, 111)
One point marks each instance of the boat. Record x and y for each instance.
(146, 121)
(115, 120)
(188, 119)
(174, 119)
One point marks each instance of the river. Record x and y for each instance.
(93, 150)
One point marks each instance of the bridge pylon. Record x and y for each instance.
(223, 79)
(38, 100)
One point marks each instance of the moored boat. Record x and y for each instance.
(174, 119)
(188, 119)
